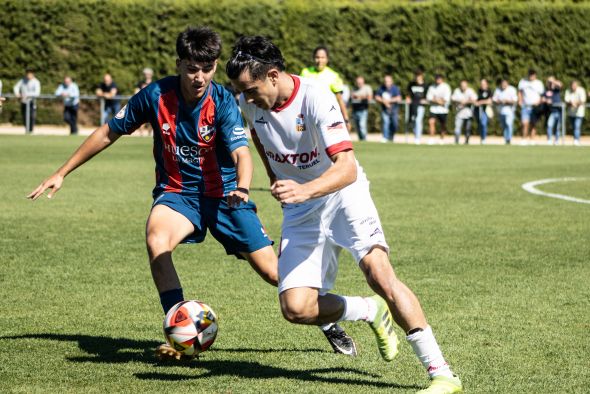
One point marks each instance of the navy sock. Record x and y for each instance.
(170, 298)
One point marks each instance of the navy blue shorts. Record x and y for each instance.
(238, 229)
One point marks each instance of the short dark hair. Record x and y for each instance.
(532, 71)
(198, 44)
(257, 54)
(321, 48)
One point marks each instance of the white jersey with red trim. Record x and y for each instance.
(300, 136)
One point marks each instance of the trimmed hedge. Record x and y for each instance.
(463, 39)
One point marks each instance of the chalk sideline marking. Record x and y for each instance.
(531, 188)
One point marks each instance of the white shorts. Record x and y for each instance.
(310, 246)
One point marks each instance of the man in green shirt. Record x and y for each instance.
(327, 76)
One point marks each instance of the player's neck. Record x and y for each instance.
(286, 85)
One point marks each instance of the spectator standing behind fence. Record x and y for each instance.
(68, 90)
(439, 98)
(483, 109)
(505, 97)
(416, 97)
(389, 96)
(323, 73)
(360, 98)
(464, 97)
(148, 77)
(27, 89)
(530, 91)
(575, 98)
(107, 90)
(552, 101)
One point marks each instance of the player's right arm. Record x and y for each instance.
(98, 141)
(260, 149)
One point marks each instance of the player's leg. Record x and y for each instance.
(165, 229)
(264, 262)
(241, 233)
(408, 314)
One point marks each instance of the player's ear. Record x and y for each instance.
(273, 75)
(178, 65)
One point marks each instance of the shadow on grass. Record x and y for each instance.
(103, 349)
(255, 370)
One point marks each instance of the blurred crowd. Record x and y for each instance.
(429, 104)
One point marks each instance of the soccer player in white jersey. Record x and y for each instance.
(305, 147)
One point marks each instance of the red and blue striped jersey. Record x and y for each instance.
(192, 145)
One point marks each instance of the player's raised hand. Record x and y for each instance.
(237, 197)
(54, 183)
(287, 191)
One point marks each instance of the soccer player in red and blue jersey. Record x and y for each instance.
(203, 167)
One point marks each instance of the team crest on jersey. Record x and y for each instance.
(300, 123)
(206, 132)
(121, 113)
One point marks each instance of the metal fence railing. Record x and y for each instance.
(405, 126)
(28, 108)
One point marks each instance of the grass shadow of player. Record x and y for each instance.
(255, 370)
(102, 349)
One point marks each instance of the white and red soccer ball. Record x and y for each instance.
(190, 327)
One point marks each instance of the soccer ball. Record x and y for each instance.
(190, 327)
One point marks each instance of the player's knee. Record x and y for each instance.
(295, 311)
(157, 243)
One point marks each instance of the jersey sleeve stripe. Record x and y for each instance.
(167, 113)
(339, 147)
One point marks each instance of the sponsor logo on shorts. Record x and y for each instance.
(336, 126)
(261, 120)
(377, 231)
(121, 113)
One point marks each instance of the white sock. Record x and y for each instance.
(358, 308)
(428, 352)
(327, 326)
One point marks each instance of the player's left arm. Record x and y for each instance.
(244, 170)
(337, 177)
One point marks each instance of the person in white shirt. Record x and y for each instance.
(27, 89)
(505, 98)
(68, 90)
(464, 97)
(575, 98)
(439, 98)
(530, 91)
(304, 144)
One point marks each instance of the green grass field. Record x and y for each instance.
(503, 275)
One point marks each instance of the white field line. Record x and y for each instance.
(531, 188)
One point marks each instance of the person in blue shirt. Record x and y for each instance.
(389, 96)
(203, 167)
(68, 90)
